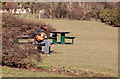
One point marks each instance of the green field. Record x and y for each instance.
(95, 47)
(7, 72)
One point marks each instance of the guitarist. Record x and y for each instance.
(39, 38)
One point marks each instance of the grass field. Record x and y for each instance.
(7, 72)
(95, 47)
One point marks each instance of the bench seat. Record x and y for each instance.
(70, 38)
(25, 42)
(27, 37)
(23, 37)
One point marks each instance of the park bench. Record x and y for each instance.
(54, 39)
(70, 38)
(29, 42)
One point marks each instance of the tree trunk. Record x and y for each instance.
(33, 13)
(39, 15)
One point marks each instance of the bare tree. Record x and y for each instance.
(11, 5)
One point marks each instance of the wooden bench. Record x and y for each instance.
(70, 38)
(39, 46)
(62, 35)
(28, 37)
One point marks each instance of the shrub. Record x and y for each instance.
(110, 16)
(76, 14)
(15, 54)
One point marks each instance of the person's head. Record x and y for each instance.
(44, 27)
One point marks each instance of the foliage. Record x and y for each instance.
(106, 11)
(110, 16)
(77, 13)
(11, 5)
(15, 54)
(2, 5)
(70, 10)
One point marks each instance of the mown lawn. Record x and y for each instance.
(7, 72)
(95, 47)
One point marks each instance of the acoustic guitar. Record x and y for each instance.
(41, 36)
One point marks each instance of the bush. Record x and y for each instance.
(110, 16)
(15, 54)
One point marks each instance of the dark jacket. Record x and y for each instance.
(38, 31)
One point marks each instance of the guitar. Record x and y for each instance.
(41, 36)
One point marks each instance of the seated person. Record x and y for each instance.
(39, 38)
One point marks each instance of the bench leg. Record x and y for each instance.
(39, 48)
(49, 49)
(72, 41)
(55, 39)
(15, 41)
(63, 38)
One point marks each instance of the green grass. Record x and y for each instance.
(28, 16)
(7, 72)
(95, 47)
